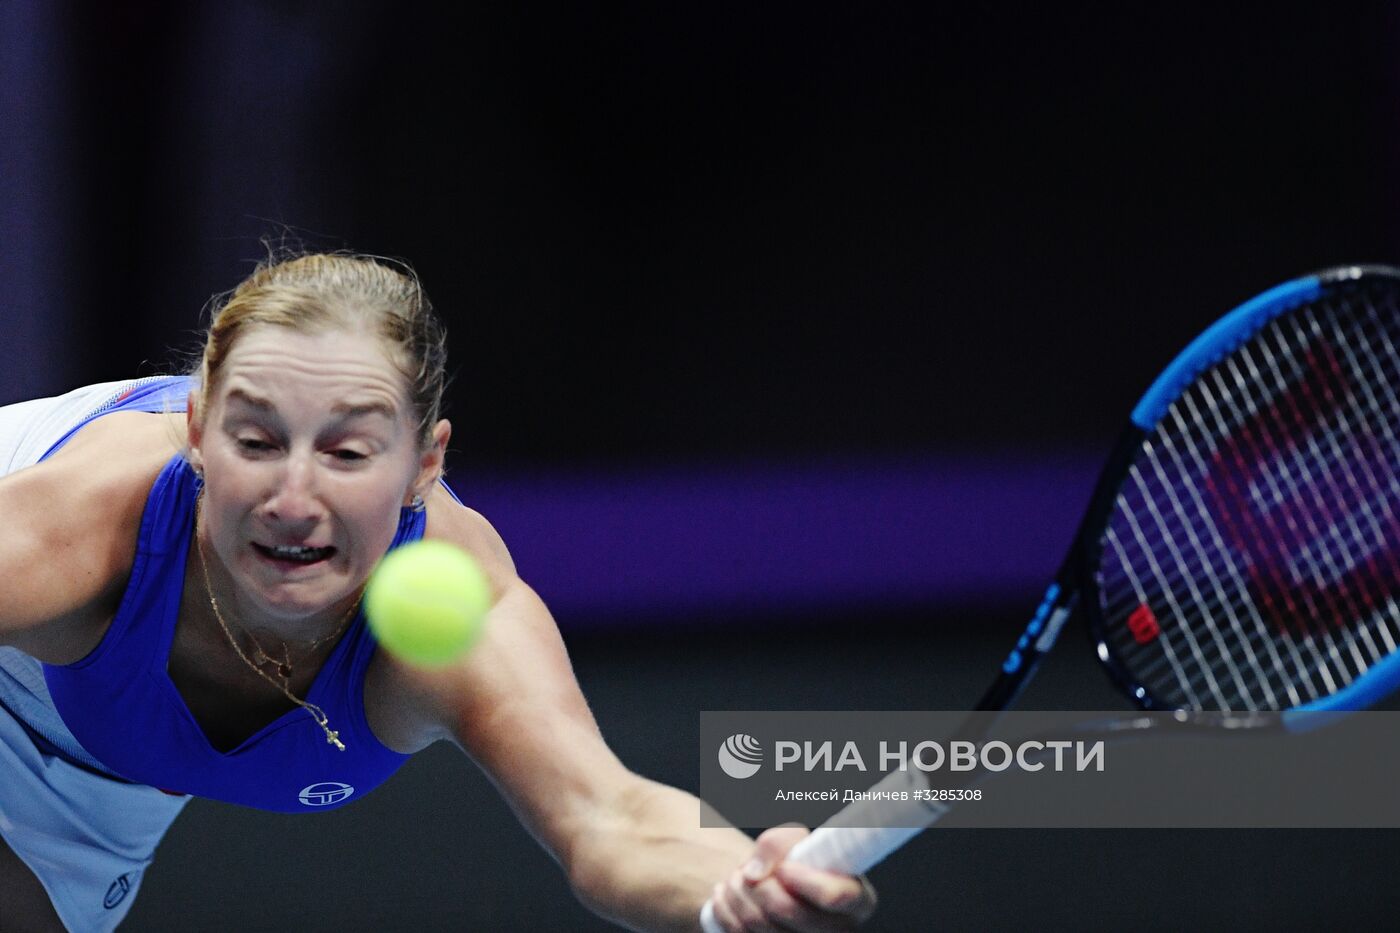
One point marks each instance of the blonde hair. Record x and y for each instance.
(324, 291)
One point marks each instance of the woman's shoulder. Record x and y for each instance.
(71, 523)
(408, 706)
(108, 466)
(451, 521)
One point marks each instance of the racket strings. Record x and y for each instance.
(1244, 631)
(1358, 573)
(1320, 546)
(1299, 529)
(1309, 642)
(1202, 569)
(1380, 396)
(1353, 560)
(1354, 577)
(1248, 626)
(1258, 522)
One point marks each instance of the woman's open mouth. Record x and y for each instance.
(300, 555)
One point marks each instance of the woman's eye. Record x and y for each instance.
(253, 444)
(347, 456)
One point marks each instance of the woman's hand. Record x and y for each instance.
(772, 895)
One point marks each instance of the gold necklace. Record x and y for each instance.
(284, 667)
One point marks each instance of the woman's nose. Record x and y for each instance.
(293, 499)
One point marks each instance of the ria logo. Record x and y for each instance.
(325, 793)
(740, 756)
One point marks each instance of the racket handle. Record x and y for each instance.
(849, 851)
(708, 923)
(852, 842)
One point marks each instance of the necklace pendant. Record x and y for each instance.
(333, 738)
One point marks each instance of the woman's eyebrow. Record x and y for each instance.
(346, 409)
(354, 409)
(247, 398)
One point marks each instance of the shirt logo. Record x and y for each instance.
(117, 891)
(325, 793)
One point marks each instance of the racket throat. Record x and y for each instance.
(1037, 640)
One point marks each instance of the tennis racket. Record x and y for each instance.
(1241, 551)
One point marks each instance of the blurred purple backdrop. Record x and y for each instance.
(746, 541)
(755, 312)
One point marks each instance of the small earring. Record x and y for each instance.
(418, 505)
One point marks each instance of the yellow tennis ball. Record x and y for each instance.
(426, 602)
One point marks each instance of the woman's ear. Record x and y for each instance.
(194, 433)
(432, 461)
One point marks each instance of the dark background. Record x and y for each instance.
(704, 237)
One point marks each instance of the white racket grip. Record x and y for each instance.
(834, 848)
(850, 851)
(849, 845)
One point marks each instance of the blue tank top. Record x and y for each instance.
(121, 705)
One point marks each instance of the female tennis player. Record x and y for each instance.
(183, 564)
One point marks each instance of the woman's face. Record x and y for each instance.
(309, 448)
